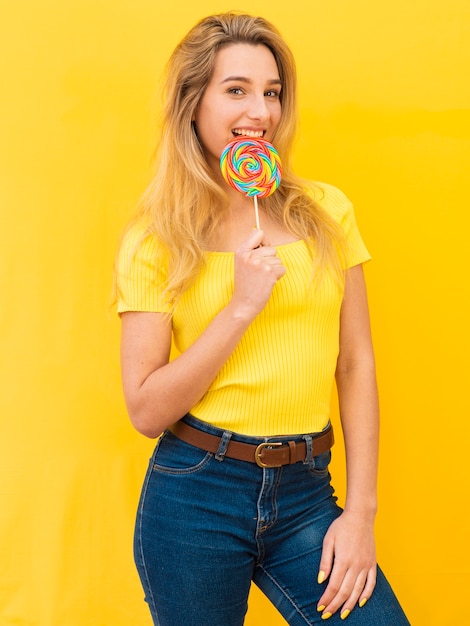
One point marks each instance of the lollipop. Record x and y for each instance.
(253, 167)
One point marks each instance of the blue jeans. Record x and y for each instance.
(207, 527)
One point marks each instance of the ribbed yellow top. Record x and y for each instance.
(279, 378)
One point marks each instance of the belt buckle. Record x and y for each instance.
(260, 448)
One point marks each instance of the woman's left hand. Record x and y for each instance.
(348, 563)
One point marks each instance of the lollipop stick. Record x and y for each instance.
(255, 199)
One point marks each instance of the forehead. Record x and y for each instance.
(247, 60)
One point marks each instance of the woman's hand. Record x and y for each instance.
(257, 270)
(348, 563)
(159, 391)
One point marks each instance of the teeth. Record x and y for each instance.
(248, 133)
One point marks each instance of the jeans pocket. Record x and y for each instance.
(319, 466)
(173, 456)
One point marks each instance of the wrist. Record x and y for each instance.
(240, 314)
(366, 511)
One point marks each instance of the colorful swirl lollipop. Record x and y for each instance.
(253, 167)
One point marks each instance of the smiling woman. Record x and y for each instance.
(242, 98)
(231, 341)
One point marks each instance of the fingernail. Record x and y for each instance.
(345, 613)
(326, 615)
(362, 602)
(321, 577)
(321, 608)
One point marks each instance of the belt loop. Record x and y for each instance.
(308, 444)
(292, 448)
(223, 445)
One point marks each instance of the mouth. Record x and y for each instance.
(246, 132)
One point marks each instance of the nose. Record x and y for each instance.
(258, 109)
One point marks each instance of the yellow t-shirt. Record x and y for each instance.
(279, 378)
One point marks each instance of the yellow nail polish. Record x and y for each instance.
(321, 577)
(326, 615)
(321, 608)
(345, 613)
(362, 602)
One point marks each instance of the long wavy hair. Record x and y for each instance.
(184, 203)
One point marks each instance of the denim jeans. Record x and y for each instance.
(208, 525)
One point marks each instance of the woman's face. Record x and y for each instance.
(242, 99)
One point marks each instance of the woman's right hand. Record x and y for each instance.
(159, 391)
(257, 270)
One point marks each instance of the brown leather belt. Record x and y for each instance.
(265, 454)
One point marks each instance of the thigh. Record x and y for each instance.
(192, 549)
(287, 574)
(293, 546)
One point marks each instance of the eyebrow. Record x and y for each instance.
(244, 79)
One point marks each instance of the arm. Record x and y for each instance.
(348, 557)
(159, 392)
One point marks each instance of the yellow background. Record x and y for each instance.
(385, 116)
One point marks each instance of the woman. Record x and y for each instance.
(231, 340)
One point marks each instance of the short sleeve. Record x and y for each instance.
(141, 274)
(338, 205)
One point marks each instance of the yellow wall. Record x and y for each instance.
(385, 107)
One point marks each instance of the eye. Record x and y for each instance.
(236, 91)
(272, 93)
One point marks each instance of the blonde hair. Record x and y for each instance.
(183, 204)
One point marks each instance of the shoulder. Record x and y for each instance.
(140, 271)
(339, 208)
(331, 199)
(138, 247)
